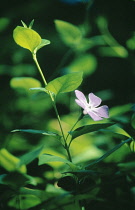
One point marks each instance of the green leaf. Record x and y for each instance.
(131, 42)
(88, 129)
(66, 83)
(69, 33)
(113, 51)
(46, 158)
(48, 133)
(127, 167)
(10, 162)
(120, 110)
(115, 134)
(108, 153)
(30, 156)
(43, 43)
(126, 126)
(27, 201)
(27, 38)
(24, 24)
(86, 63)
(31, 23)
(24, 82)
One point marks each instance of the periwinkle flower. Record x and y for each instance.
(92, 107)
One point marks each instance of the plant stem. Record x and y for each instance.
(58, 117)
(80, 117)
(38, 66)
(54, 106)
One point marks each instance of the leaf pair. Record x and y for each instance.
(63, 84)
(28, 38)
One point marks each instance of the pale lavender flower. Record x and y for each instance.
(92, 107)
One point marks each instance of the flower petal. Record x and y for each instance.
(94, 100)
(80, 103)
(94, 116)
(102, 111)
(80, 96)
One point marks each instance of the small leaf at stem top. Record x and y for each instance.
(31, 23)
(43, 43)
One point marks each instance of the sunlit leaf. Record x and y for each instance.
(10, 162)
(24, 24)
(46, 158)
(24, 83)
(27, 38)
(43, 43)
(69, 33)
(88, 129)
(66, 83)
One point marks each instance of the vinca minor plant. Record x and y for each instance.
(80, 185)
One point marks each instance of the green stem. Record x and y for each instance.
(38, 66)
(54, 106)
(80, 117)
(58, 117)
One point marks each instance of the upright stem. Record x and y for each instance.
(54, 106)
(58, 117)
(80, 117)
(38, 66)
